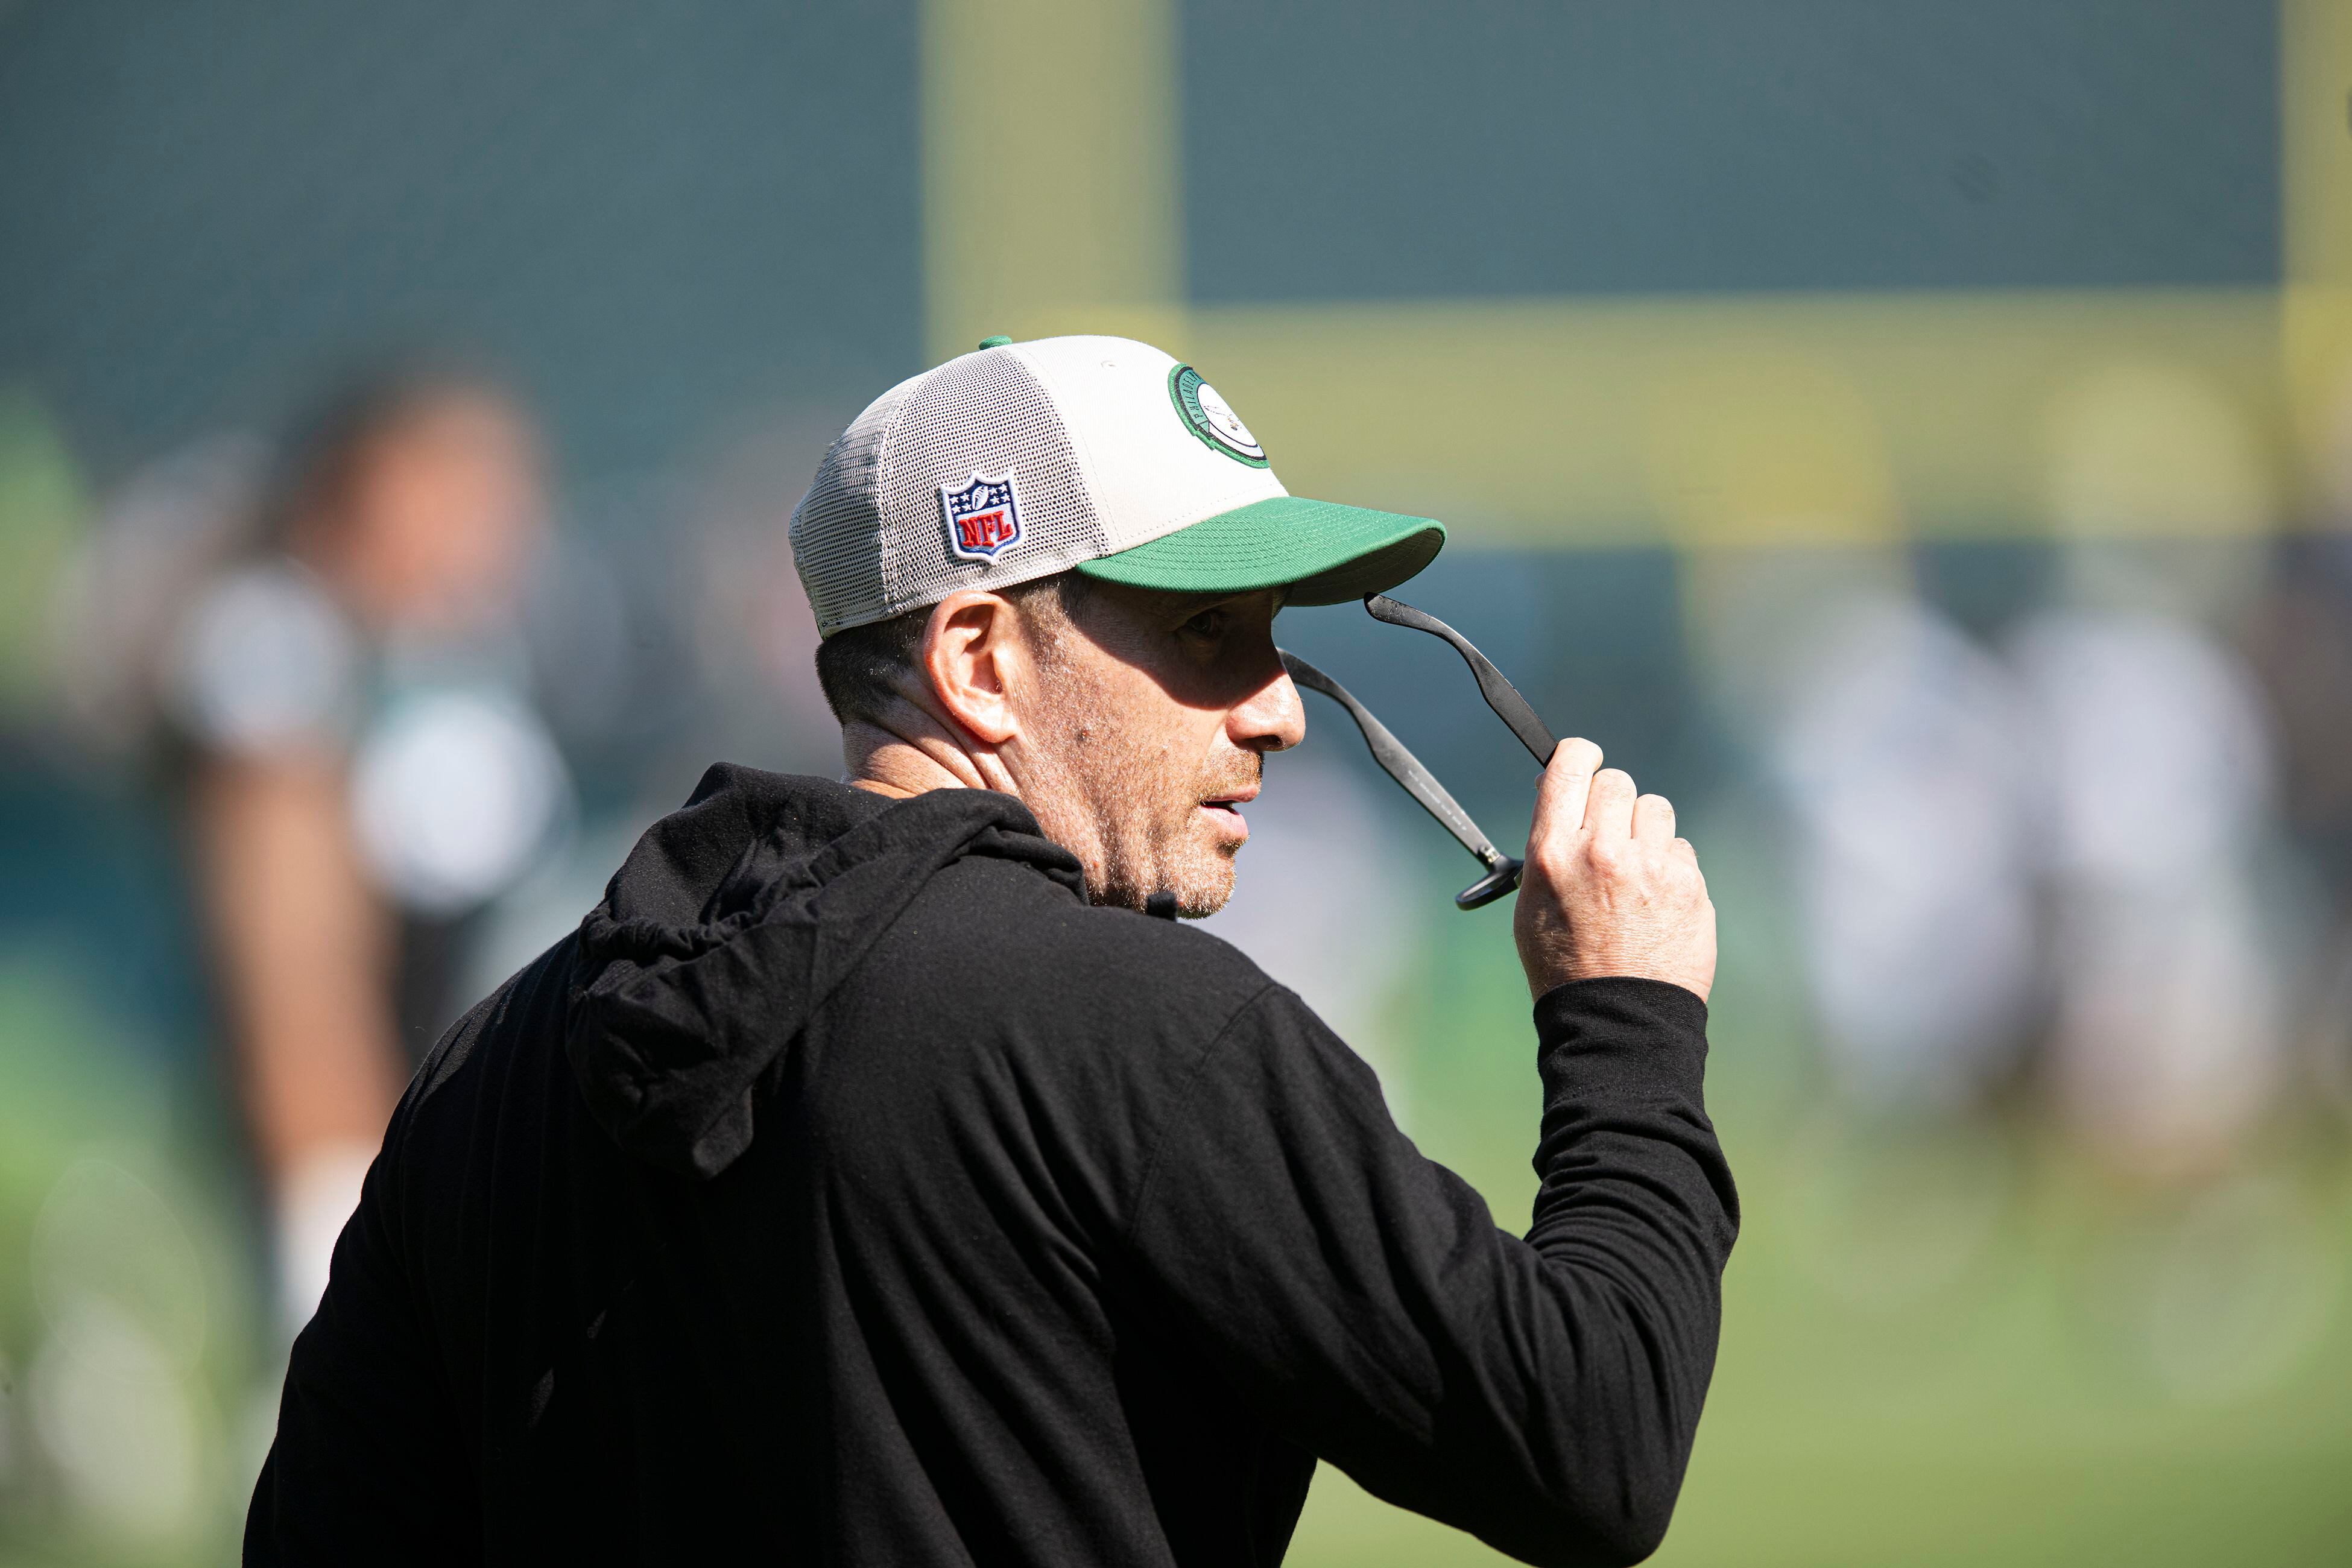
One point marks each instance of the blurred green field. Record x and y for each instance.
(2023, 1413)
(1945, 1343)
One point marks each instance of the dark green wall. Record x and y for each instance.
(1375, 149)
(655, 215)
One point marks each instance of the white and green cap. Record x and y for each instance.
(1020, 460)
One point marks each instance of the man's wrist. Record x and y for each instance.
(1616, 1013)
(1569, 981)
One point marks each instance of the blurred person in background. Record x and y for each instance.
(1899, 756)
(2166, 1046)
(363, 771)
(1893, 743)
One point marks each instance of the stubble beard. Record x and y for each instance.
(1132, 817)
(1176, 861)
(1131, 814)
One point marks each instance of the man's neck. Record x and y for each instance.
(914, 754)
(900, 761)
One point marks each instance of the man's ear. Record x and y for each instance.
(968, 644)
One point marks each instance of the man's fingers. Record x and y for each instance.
(1567, 779)
(1609, 807)
(1654, 818)
(1683, 848)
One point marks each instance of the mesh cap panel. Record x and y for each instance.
(870, 538)
(834, 528)
(982, 414)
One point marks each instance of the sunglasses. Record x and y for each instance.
(1502, 871)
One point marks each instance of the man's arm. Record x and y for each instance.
(1541, 1392)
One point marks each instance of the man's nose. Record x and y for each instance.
(1271, 719)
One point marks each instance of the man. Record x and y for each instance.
(871, 1181)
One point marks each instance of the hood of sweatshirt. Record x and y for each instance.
(731, 923)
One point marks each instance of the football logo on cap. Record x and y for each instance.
(1212, 418)
(983, 517)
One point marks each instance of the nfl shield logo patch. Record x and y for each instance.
(983, 516)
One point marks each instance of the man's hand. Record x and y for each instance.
(1608, 889)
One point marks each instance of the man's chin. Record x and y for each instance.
(1200, 906)
(1204, 884)
(1200, 873)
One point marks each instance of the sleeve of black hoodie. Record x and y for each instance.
(1540, 1392)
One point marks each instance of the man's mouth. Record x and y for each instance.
(1225, 810)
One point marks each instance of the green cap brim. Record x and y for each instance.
(1325, 553)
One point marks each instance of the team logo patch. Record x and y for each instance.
(983, 517)
(1212, 418)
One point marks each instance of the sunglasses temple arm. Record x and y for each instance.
(1512, 708)
(1417, 781)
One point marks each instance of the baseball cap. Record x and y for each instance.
(1019, 460)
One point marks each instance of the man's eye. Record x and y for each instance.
(1207, 624)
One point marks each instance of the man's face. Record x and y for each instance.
(1148, 732)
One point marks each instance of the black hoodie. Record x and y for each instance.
(847, 1190)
